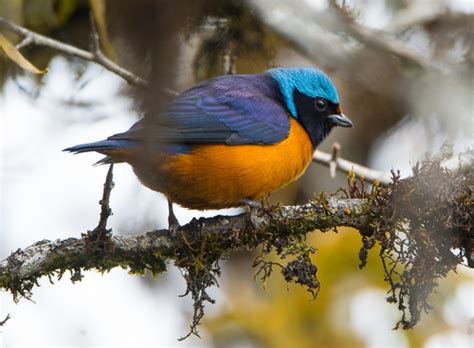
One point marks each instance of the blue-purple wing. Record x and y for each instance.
(237, 109)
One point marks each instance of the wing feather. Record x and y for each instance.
(238, 109)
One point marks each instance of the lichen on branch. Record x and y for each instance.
(423, 225)
(425, 230)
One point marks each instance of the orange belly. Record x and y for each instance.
(220, 176)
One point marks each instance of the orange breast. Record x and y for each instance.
(220, 176)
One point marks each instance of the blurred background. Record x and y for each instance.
(404, 71)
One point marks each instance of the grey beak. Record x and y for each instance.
(341, 120)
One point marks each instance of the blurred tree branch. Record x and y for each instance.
(313, 31)
(97, 56)
(381, 41)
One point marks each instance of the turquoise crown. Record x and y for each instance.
(309, 81)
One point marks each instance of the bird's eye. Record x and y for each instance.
(320, 104)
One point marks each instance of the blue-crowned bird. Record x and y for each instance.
(231, 139)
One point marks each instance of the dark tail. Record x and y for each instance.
(100, 146)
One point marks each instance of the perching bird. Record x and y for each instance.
(230, 140)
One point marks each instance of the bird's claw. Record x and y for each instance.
(252, 204)
(256, 210)
(173, 224)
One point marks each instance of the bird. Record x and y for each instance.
(231, 140)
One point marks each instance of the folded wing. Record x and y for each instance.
(233, 110)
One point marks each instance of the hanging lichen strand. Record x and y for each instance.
(424, 228)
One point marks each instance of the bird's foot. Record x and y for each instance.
(257, 209)
(262, 205)
(252, 204)
(173, 224)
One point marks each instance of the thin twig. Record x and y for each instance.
(96, 57)
(229, 59)
(345, 166)
(25, 42)
(94, 41)
(105, 210)
(336, 152)
(3, 322)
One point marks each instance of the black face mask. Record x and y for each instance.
(318, 116)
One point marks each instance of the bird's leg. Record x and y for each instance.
(266, 201)
(262, 204)
(256, 209)
(173, 223)
(252, 204)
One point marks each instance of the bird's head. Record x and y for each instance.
(311, 98)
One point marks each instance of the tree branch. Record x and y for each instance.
(345, 166)
(312, 31)
(231, 233)
(381, 41)
(418, 222)
(30, 37)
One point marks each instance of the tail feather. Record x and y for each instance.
(107, 160)
(102, 145)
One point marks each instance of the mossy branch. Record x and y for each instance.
(151, 250)
(195, 248)
(423, 225)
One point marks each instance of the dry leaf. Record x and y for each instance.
(14, 54)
